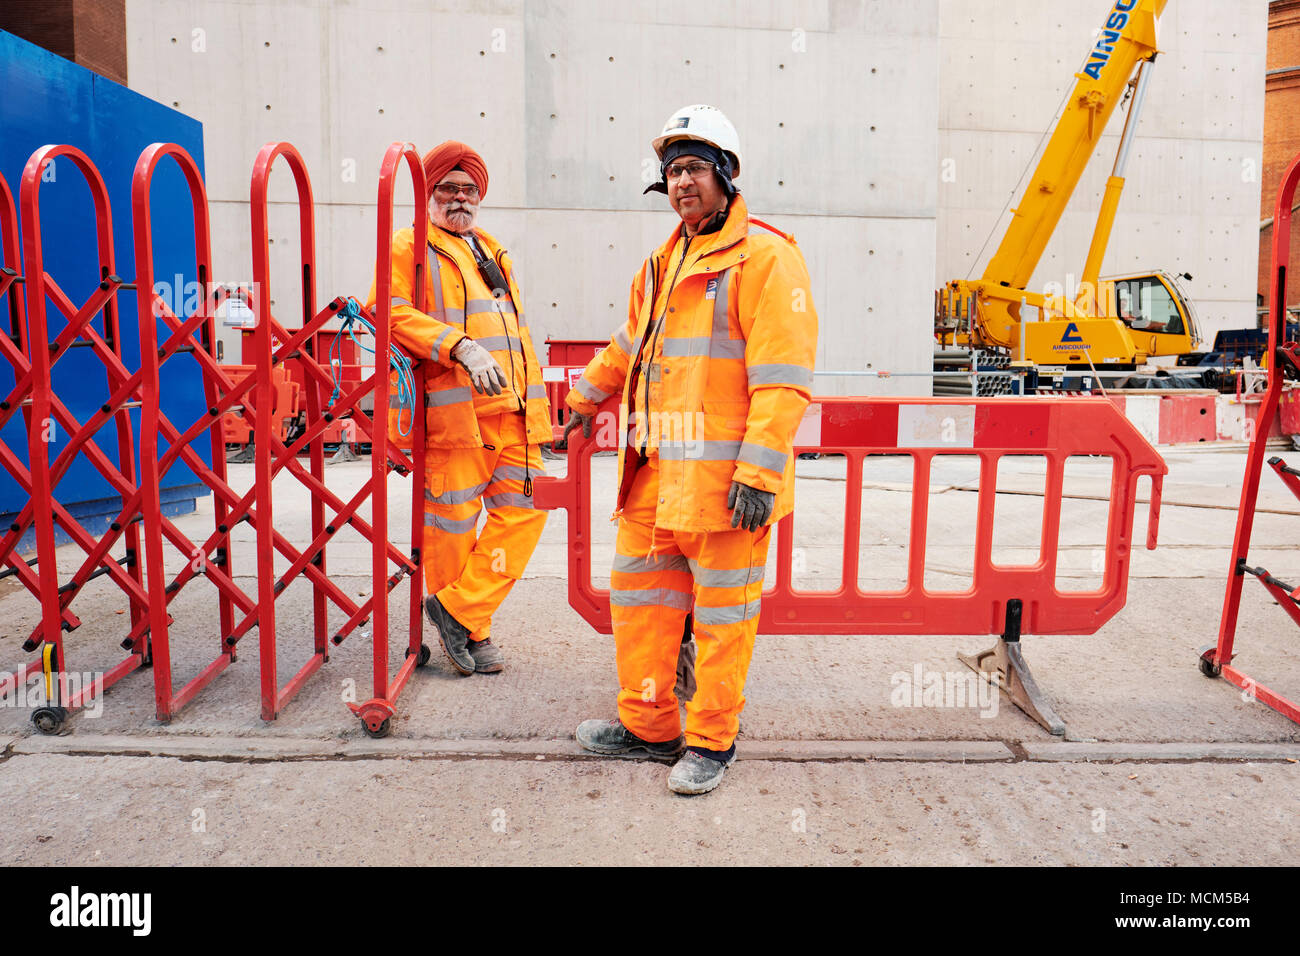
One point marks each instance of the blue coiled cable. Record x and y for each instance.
(397, 360)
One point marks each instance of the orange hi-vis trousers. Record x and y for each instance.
(658, 578)
(470, 573)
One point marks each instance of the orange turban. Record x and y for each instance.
(442, 159)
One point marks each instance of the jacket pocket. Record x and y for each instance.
(724, 419)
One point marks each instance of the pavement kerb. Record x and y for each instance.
(268, 749)
(1120, 751)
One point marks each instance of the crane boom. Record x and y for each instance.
(1126, 39)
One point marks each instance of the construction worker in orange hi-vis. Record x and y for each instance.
(485, 410)
(714, 366)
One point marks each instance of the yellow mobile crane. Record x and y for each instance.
(1112, 323)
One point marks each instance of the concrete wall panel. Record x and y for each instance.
(891, 179)
(251, 73)
(597, 97)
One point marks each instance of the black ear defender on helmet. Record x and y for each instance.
(722, 166)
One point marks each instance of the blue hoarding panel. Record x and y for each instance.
(45, 99)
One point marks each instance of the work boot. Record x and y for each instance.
(488, 658)
(452, 635)
(611, 737)
(695, 773)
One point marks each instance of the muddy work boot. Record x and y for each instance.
(696, 773)
(452, 635)
(488, 658)
(612, 738)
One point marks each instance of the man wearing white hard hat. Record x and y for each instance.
(714, 365)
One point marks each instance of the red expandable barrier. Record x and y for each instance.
(195, 336)
(13, 350)
(278, 345)
(377, 712)
(44, 511)
(1001, 598)
(1283, 363)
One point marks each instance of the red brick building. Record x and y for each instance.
(90, 33)
(1281, 136)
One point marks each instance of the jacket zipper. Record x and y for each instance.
(464, 324)
(658, 327)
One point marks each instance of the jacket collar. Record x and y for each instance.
(729, 240)
(445, 241)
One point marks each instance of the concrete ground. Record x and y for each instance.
(1159, 765)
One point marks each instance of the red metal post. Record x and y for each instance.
(47, 411)
(1216, 660)
(376, 712)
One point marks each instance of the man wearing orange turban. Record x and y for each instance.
(485, 410)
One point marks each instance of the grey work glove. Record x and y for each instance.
(750, 508)
(576, 419)
(483, 369)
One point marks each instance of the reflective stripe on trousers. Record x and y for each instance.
(471, 573)
(657, 578)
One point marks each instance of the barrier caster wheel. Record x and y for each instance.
(424, 656)
(49, 720)
(381, 731)
(1208, 667)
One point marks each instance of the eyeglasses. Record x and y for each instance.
(448, 191)
(694, 170)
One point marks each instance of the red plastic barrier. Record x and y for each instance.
(1054, 428)
(1283, 363)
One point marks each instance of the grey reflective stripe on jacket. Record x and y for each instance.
(762, 456)
(722, 345)
(448, 396)
(437, 343)
(501, 343)
(621, 339)
(477, 306)
(698, 450)
(590, 392)
(778, 374)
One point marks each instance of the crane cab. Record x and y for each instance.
(1153, 308)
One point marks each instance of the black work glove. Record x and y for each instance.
(750, 507)
(576, 419)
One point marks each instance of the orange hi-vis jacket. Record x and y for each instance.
(462, 305)
(715, 366)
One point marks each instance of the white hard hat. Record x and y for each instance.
(704, 123)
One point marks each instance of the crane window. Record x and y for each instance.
(1146, 305)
